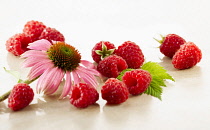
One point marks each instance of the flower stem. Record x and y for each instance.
(5, 96)
(30, 81)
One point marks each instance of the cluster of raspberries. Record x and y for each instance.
(112, 61)
(32, 31)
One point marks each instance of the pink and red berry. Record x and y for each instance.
(187, 56)
(20, 96)
(34, 29)
(18, 43)
(114, 91)
(170, 44)
(101, 50)
(111, 66)
(83, 95)
(51, 34)
(137, 81)
(132, 54)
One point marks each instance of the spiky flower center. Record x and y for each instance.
(64, 56)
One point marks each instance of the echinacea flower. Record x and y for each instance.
(53, 62)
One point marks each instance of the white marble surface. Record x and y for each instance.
(185, 103)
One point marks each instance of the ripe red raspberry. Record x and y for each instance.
(20, 96)
(114, 91)
(34, 29)
(132, 54)
(111, 66)
(51, 34)
(137, 81)
(102, 50)
(83, 95)
(170, 44)
(18, 43)
(187, 56)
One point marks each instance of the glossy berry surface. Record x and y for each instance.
(137, 81)
(20, 96)
(111, 66)
(34, 29)
(101, 50)
(18, 43)
(187, 56)
(132, 54)
(114, 91)
(170, 44)
(51, 34)
(83, 95)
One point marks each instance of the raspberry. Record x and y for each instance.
(34, 29)
(83, 95)
(114, 91)
(132, 54)
(137, 81)
(101, 50)
(187, 56)
(111, 66)
(20, 96)
(170, 44)
(51, 34)
(18, 43)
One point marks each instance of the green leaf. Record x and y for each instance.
(156, 69)
(159, 75)
(154, 91)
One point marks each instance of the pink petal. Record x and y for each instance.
(55, 81)
(31, 61)
(47, 80)
(92, 71)
(88, 78)
(39, 69)
(67, 85)
(75, 77)
(31, 53)
(43, 80)
(87, 64)
(40, 45)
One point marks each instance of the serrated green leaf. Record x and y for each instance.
(154, 91)
(159, 74)
(157, 70)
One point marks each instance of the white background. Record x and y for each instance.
(185, 104)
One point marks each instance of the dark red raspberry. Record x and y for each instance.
(187, 56)
(20, 96)
(102, 50)
(137, 81)
(170, 44)
(51, 34)
(132, 54)
(83, 95)
(111, 66)
(34, 29)
(114, 91)
(18, 43)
